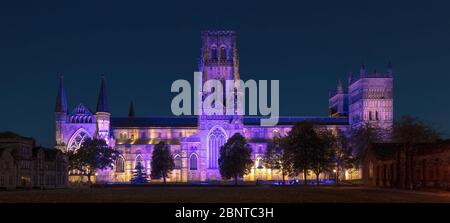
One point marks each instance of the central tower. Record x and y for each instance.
(218, 61)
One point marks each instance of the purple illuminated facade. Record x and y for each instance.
(195, 140)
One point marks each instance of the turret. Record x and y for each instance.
(362, 70)
(60, 114)
(102, 113)
(339, 88)
(350, 77)
(338, 102)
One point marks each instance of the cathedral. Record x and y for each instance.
(195, 140)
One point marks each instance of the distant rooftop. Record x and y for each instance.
(12, 135)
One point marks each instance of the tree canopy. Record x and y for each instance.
(412, 130)
(277, 159)
(235, 158)
(162, 161)
(300, 143)
(93, 155)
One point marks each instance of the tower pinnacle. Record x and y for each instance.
(350, 77)
(61, 100)
(362, 70)
(102, 102)
(340, 88)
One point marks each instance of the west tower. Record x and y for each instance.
(371, 98)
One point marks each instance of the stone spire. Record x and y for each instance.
(61, 100)
(102, 102)
(131, 110)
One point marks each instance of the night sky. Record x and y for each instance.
(143, 48)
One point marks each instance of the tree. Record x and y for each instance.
(300, 142)
(93, 155)
(235, 158)
(363, 136)
(162, 161)
(276, 158)
(412, 130)
(321, 153)
(139, 175)
(408, 131)
(343, 154)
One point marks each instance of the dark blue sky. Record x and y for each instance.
(143, 47)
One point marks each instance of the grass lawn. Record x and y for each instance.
(223, 194)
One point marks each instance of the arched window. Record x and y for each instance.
(177, 161)
(223, 53)
(77, 139)
(120, 165)
(193, 162)
(216, 139)
(214, 53)
(276, 133)
(259, 163)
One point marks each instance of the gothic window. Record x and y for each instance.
(370, 115)
(177, 161)
(376, 116)
(120, 165)
(214, 55)
(77, 139)
(217, 139)
(223, 53)
(193, 162)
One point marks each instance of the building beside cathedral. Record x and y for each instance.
(195, 140)
(25, 165)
